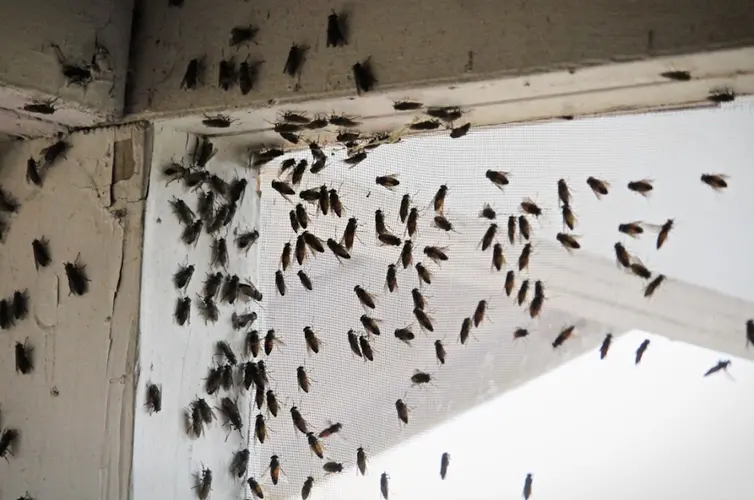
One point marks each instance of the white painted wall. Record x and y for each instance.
(672, 148)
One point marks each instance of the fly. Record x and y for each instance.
(353, 343)
(391, 281)
(488, 212)
(411, 223)
(349, 233)
(370, 324)
(402, 410)
(405, 335)
(523, 291)
(599, 187)
(498, 258)
(664, 232)
(498, 177)
(524, 228)
(335, 204)
(298, 172)
(632, 229)
(361, 460)
(333, 429)
(440, 351)
(255, 487)
(718, 182)
(527, 486)
(301, 216)
(407, 105)
(420, 378)
(437, 254)
(444, 463)
(355, 159)
(389, 239)
(314, 445)
(530, 208)
(721, 365)
(305, 281)
(366, 348)
(338, 250)
(226, 74)
(310, 195)
(523, 259)
(536, 305)
(459, 132)
(654, 285)
(303, 379)
(343, 121)
(275, 469)
(510, 282)
(312, 344)
(332, 467)
(512, 229)
(41, 107)
(447, 113)
(442, 223)
(520, 333)
(479, 313)
(622, 256)
(425, 125)
(489, 236)
(335, 36)
(406, 257)
(388, 181)
(718, 96)
(605, 347)
(420, 302)
(643, 187)
(247, 76)
(298, 421)
(306, 489)
(568, 241)
(285, 256)
(283, 188)
(295, 225)
(314, 243)
(270, 339)
(564, 335)
(640, 351)
(363, 76)
(425, 322)
(640, 270)
(564, 192)
(33, 174)
(424, 274)
(465, 330)
(295, 60)
(280, 282)
(383, 485)
(241, 34)
(366, 298)
(191, 77)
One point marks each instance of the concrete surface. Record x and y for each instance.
(411, 45)
(30, 68)
(75, 410)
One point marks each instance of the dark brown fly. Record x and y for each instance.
(297, 174)
(241, 34)
(275, 469)
(333, 429)
(512, 229)
(240, 321)
(302, 378)
(441, 222)
(446, 113)
(335, 36)
(301, 216)
(332, 467)
(314, 445)
(270, 339)
(568, 241)
(402, 410)
(305, 281)
(425, 322)
(510, 282)
(479, 313)
(564, 192)
(387, 181)
(349, 233)
(41, 250)
(23, 353)
(182, 310)
(247, 76)
(605, 347)
(356, 158)
(314, 243)
(255, 487)
(640, 270)
(622, 255)
(33, 174)
(389, 239)
(439, 200)
(361, 460)
(664, 232)
(283, 188)
(425, 125)
(338, 250)
(498, 177)
(298, 421)
(366, 298)
(444, 463)
(489, 236)
(407, 105)
(391, 280)
(718, 182)
(420, 378)
(306, 489)
(530, 208)
(312, 342)
(465, 330)
(599, 187)
(520, 333)
(343, 121)
(420, 302)
(488, 212)
(498, 258)
(295, 60)
(353, 343)
(654, 285)
(363, 76)
(370, 324)
(524, 228)
(564, 335)
(405, 205)
(523, 259)
(406, 258)
(379, 222)
(405, 335)
(203, 483)
(721, 365)
(366, 348)
(280, 282)
(440, 351)
(643, 187)
(384, 485)
(411, 223)
(719, 96)
(437, 254)
(300, 250)
(78, 282)
(240, 463)
(536, 305)
(272, 403)
(424, 275)
(217, 121)
(640, 351)
(632, 229)
(460, 131)
(523, 291)
(335, 204)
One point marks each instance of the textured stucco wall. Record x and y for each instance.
(411, 44)
(75, 410)
(29, 67)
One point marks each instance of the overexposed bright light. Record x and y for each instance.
(591, 429)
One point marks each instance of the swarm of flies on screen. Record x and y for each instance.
(214, 208)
